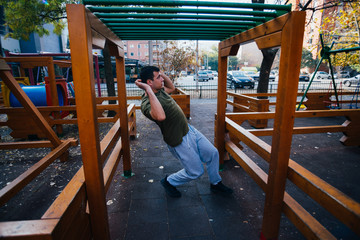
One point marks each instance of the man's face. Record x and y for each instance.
(157, 82)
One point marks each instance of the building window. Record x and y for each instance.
(131, 45)
(138, 53)
(132, 54)
(126, 54)
(139, 45)
(146, 46)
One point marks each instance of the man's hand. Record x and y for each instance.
(142, 85)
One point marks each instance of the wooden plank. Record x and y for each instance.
(71, 193)
(34, 144)
(301, 130)
(31, 229)
(83, 73)
(221, 107)
(269, 27)
(102, 29)
(110, 139)
(337, 203)
(299, 114)
(304, 221)
(20, 182)
(289, 68)
(125, 139)
(269, 41)
(111, 164)
(255, 172)
(25, 101)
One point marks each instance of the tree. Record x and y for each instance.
(24, 17)
(175, 58)
(307, 59)
(342, 25)
(233, 62)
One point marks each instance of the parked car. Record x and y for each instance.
(256, 76)
(304, 78)
(238, 79)
(322, 75)
(183, 73)
(210, 74)
(203, 76)
(215, 73)
(354, 81)
(344, 74)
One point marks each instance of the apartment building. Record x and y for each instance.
(144, 50)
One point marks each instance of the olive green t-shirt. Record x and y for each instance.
(175, 126)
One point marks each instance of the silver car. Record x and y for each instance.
(354, 81)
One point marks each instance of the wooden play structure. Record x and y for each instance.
(285, 32)
(80, 211)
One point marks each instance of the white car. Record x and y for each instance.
(354, 81)
(322, 75)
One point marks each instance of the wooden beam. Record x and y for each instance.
(301, 130)
(269, 27)
(289, 68)
(125, 138)
(102, 29)
(33, 144)
(221, 108)
(269, 41)
(31, 229)
(83, 74)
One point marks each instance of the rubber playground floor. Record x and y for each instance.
(139, 208)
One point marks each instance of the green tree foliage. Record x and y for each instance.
(343, 26)
(233, 62)
(24, 17)
(175, 58)
(307, 59)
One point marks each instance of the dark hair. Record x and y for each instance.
(147, 72)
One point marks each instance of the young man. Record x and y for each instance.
(185, 142)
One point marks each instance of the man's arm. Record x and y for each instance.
(168, 85)
(157, 111)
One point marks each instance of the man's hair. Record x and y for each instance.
(147, 72)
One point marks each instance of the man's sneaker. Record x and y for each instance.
(170, 189)
(221, 188)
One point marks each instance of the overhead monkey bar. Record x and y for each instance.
(191, 17)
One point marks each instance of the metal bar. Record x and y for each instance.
(190, 3)
(181, 10)
(178, 16)
(192, 24)
(169, 29)
(171, 21)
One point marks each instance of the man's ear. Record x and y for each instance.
(149, 82)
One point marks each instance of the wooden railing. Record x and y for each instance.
(67, 215)
(244, 103)
(334, 201)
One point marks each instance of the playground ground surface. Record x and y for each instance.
(138, 207)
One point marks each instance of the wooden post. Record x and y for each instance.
(83, 73)
(291, 39)
(125, 139)
(221, 108)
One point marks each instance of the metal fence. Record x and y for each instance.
(209, 89)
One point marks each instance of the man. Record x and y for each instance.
(185, 142)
